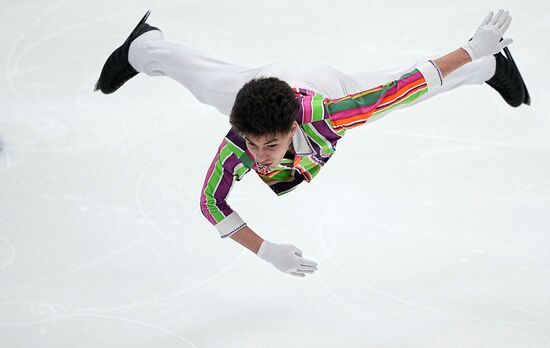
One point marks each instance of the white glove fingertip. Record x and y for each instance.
(307, 262)
(311, 264)
(503, 19)
(497, 16)
(487, 18)
(308, 267)
(296, 274)
(505, 25)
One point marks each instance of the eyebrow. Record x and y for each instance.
(270, 141)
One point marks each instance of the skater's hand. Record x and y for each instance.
(486, 40)
(286, 258)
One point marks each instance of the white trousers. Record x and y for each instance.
(216, 83)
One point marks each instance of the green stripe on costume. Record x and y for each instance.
(409, 99)
(326, 146)
(214, 181)
(242, 171)
(317, 108)
(237, 150)
(246, 160)
(281, 176)
(354, 103)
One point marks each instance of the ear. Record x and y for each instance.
(294, 128)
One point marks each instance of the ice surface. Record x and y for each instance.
(439, 238)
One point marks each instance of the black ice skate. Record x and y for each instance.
(117, 70)
(508, 82)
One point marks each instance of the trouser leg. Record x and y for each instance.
(211, 81)
(474, 73)
(320, 78)
(332, 83)
(217, 83)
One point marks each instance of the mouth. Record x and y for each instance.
(265, 165)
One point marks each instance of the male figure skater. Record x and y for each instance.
(287, 118)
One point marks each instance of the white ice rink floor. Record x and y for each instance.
(439, 238)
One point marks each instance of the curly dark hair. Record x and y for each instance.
(264, 106)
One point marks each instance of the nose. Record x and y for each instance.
(262, 156)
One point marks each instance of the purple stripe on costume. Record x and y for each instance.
(236, 139)
(319, 159)
(326, 131)
(285, 186)
(225, 183)
(300, 113)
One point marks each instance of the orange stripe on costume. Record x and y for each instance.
(389, 99)
(403, 90)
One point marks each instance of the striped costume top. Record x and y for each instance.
(322, 122)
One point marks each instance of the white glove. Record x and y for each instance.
(486, 40)
(286, 258)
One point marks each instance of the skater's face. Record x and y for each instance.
(269, 150)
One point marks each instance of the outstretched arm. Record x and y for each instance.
(248, 239)
(356, 109)
(225, 169)
(486, 41)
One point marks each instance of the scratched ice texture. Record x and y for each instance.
(431, 226)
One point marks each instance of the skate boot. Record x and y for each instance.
(508, 82)
(117, 69)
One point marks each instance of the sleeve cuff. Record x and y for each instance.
(230, 225)
(432, 75)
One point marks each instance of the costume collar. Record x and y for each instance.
(300, 142)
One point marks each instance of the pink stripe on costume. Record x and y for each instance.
(362, 109)
(209, 215)
(306, 107)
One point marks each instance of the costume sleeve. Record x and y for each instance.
(355, 109)
(225, 169)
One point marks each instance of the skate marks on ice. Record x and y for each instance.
(149, 220)
(157, 300)
(22, 45)
(143, 324)
(48, 313)
(369, 287)
(32, 313)
(13, 57)
(7, 252)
